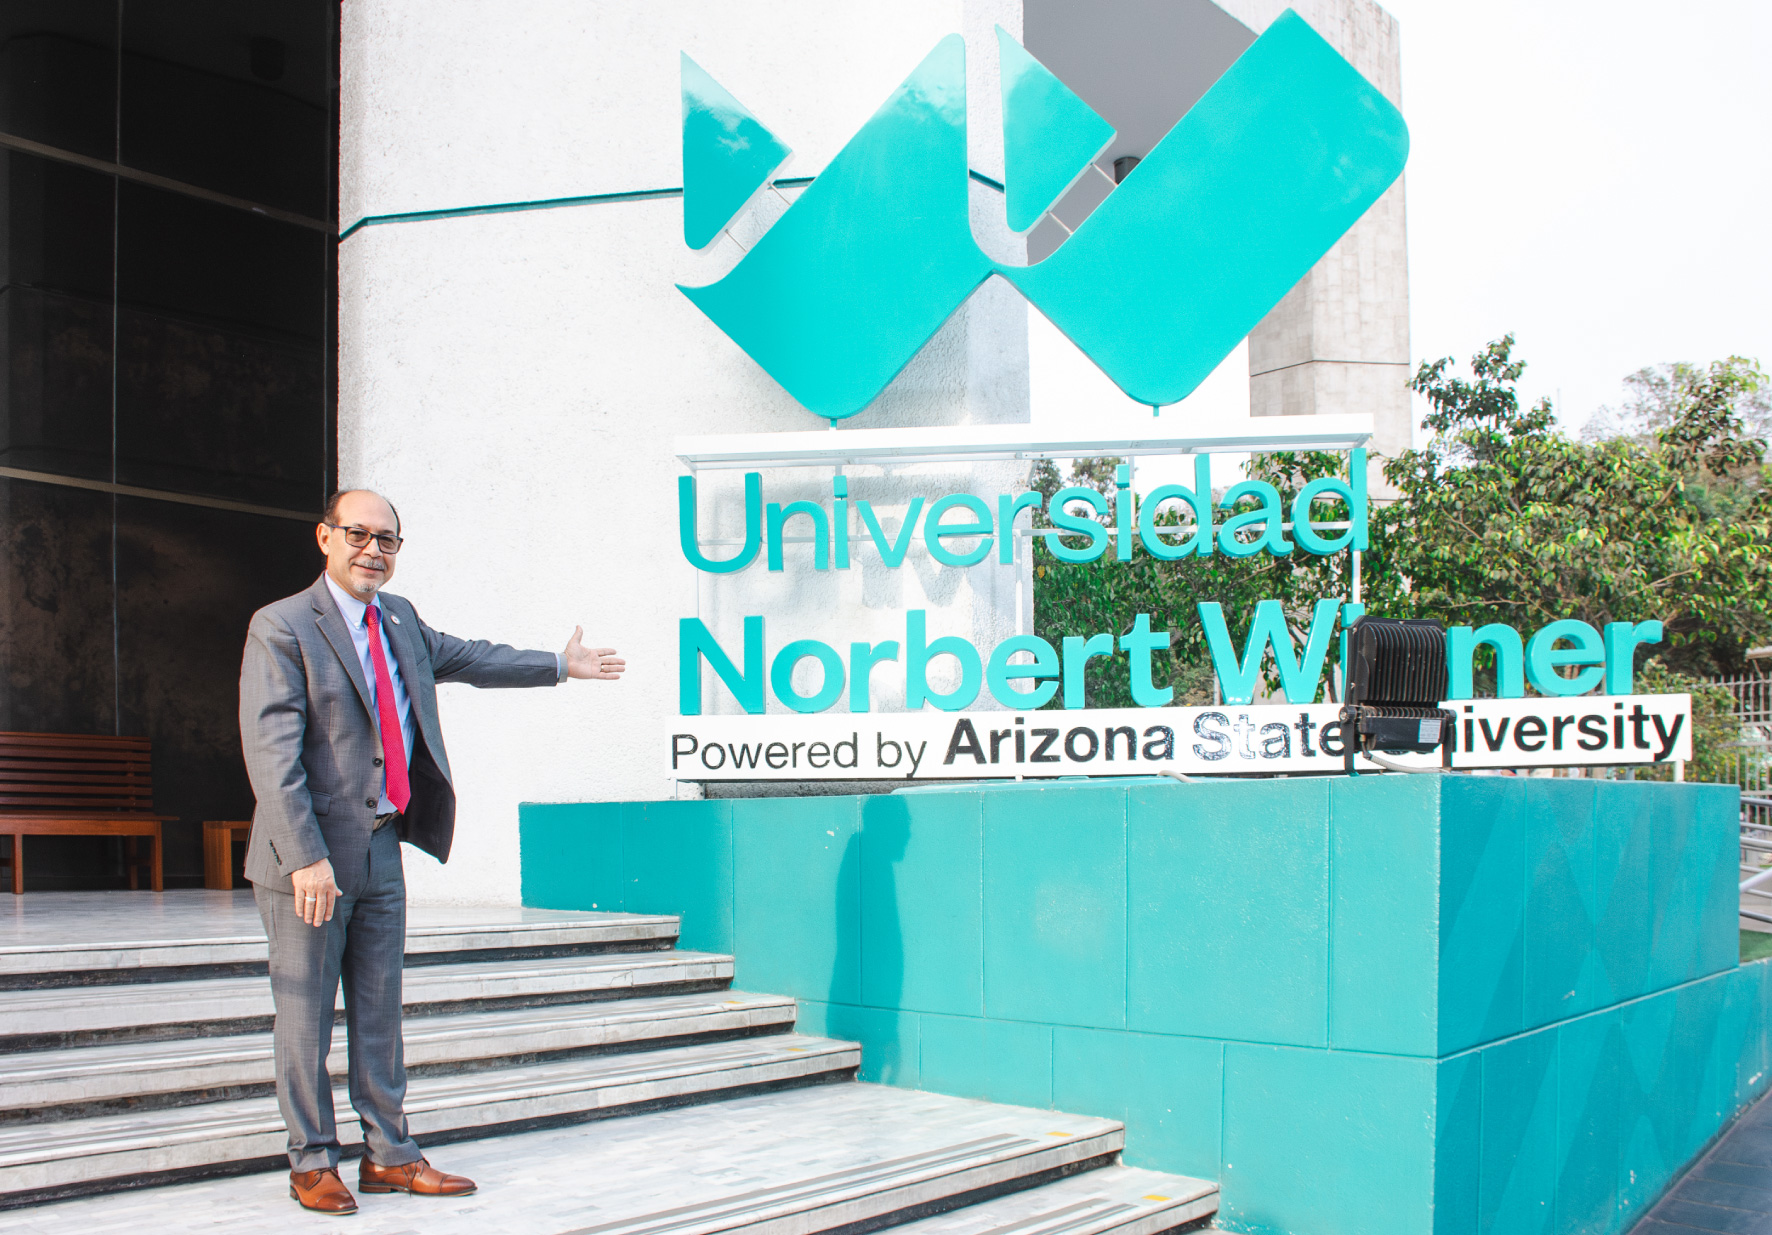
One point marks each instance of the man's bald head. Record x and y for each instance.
(362, 570)
(330, 514)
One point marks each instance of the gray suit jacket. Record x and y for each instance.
(312, 742)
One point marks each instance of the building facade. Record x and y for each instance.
(167, 223)
(432, 248)
(516, 361)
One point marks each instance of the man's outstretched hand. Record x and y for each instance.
(601, 664)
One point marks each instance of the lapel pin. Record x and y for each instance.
(392, 618)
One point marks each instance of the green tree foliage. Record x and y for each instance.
(1500, 517)
(1656, 396)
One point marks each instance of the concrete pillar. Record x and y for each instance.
(1339, 341)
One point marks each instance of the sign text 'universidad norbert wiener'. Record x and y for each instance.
(1564, 724)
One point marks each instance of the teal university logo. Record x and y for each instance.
(1231, 208)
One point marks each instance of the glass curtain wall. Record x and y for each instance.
(167, 290)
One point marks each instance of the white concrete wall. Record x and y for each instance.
(514, 381)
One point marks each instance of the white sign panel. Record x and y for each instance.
(1265, 738)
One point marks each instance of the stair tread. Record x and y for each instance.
(429, 1100)
(129, 1069)
(1125, 1199)
(797, 1161)
(64, 1009)
(68, 931)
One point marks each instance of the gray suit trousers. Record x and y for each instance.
(364, 944)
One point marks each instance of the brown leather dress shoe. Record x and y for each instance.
(322, 1191)
(417, 1178)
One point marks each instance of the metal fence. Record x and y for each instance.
(1750, 766)
(1750, 756)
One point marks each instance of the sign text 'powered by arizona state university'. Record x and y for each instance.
(1488, 733)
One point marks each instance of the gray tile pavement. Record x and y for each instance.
(1729, 1191)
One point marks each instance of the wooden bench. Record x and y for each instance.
(78, 784)
(218, 850)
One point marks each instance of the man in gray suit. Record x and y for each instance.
(338, 717)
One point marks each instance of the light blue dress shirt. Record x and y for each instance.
(356, 615)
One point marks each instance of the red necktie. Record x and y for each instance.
(393, 743)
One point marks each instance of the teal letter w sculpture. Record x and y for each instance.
(1231, 208)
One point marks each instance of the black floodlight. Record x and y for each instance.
(1396, 678)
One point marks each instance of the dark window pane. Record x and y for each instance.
(58, 225)
(57, 652)
(55, 315)
(205, 410)
(58, 73)
(220, 385)
(188, 581)
(56, 661)
(219, 264)
(231, 97)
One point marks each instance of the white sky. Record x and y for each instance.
(1593, 177)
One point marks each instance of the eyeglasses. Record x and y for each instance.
(357, 537)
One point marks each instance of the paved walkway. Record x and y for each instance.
(1730, 1190)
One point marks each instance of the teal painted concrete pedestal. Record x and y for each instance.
(1365, 1005)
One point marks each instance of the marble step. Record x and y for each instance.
(1115, 1200)
(36, 1085)
(88, 1015)
(791, 1162)
(43, 1160)
(81, 938)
